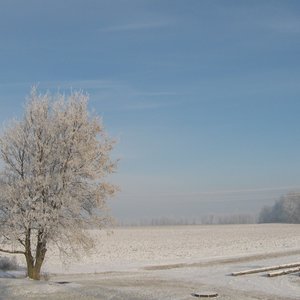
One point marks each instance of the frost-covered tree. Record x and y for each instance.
(52, 188)
(286, 210)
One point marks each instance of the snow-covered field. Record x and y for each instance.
(172, 263)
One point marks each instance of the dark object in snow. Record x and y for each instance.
(205, 295)
(63, 282)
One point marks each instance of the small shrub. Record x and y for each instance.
(7, 263)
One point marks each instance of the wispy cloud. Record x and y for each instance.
(93, 84)
(288, 25)
(247, 191)
(144, 105)
(112, 94)
(121, 95)
(238, 192)
(157, 94)
(137, 26)
(67, 85)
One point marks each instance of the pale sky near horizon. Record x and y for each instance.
(202, 96)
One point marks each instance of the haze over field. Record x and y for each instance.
(203, 96)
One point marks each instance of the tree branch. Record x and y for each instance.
(12, 252)
(21, 242)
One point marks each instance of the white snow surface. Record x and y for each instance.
(134, 247)
(171, 263)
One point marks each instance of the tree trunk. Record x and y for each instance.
(34, 265)
(34, 268)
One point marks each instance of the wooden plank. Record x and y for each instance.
(272, 268)
(284, 272)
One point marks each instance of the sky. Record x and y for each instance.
(202, 96)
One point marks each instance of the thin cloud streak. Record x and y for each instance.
(156, 94)
(122, 93)
(240, 191)
(113, 94)
(224, 192)
(137, 26)
(286, 26)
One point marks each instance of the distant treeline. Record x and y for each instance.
(212, 219)
(285, 210)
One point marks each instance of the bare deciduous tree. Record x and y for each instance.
(54, 161)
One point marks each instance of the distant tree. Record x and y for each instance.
(266, 215)
(286, 210)
(53, 163)
(291, 207)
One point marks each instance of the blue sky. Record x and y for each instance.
(203, 96)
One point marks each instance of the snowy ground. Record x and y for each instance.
(172, 263)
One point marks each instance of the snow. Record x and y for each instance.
(133, 247)
(171, 263)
